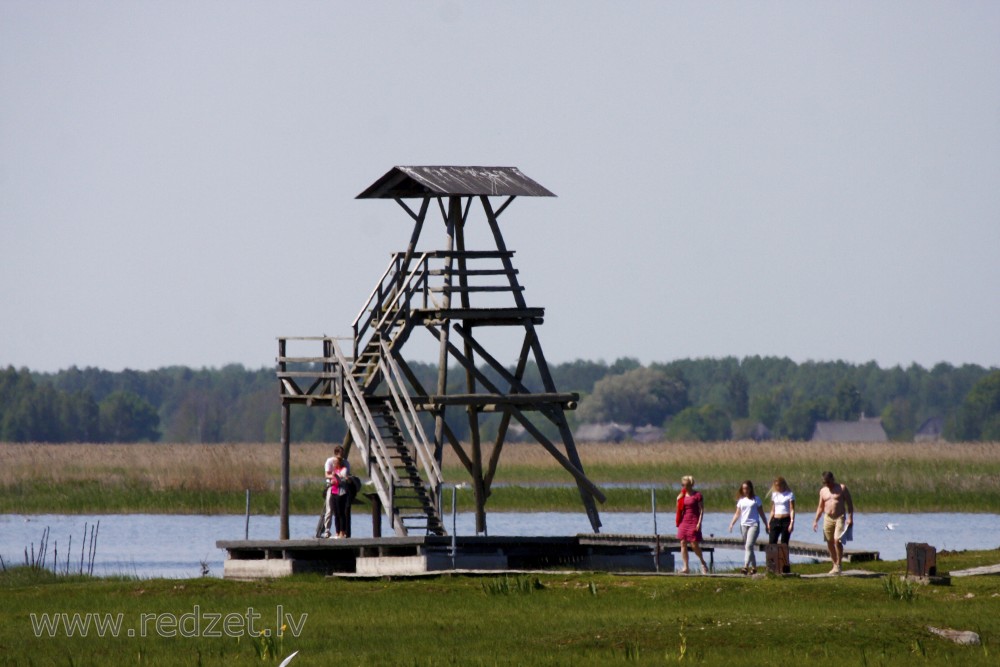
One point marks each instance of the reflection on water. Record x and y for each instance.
(170, 545)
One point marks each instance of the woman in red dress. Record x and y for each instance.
(690, 510)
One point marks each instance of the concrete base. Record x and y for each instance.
(269, 568)
(433, 562)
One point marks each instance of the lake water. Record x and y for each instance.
(170, 545)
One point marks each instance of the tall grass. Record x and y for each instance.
(156, 466)
(38, 478)
(888, 476)
(212, 478)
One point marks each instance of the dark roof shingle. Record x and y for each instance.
(403, 182)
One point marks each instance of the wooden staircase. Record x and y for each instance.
(384, 426)
(413, 503)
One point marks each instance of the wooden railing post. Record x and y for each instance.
(286, 429)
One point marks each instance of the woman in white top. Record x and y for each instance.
(782, 520)
(750, 512)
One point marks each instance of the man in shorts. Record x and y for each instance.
(837, 510)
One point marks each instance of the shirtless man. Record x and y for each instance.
(837, 510)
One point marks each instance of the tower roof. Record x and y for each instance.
(401, 182)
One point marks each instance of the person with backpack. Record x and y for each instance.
(339, 495)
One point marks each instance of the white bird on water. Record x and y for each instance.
(890, 526)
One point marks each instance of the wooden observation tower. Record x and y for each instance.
(453, 294)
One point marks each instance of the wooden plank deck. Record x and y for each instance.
(250, 559)
(405, 556)
(795, 547)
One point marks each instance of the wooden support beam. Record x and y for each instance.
(522, 363)
(479, 400)
(481, 316)
(472, 272)
(574, 470)
(469, 254)
(451, 223)
(456, 445)
(504, 206)
(463, 289)
(286, 430)
(530, 336)
(411, 248)
(421, 392)
(467, 289)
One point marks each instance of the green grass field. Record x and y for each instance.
(537, 619)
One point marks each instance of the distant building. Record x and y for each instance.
(517, 433)
(747, 429)
(863, 430)
(759, 432)
(604, 432)
(931, 430)
(648, 433)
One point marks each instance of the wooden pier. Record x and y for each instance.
(413, 555)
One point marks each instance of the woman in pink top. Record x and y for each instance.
(338, 471)
(690, 510)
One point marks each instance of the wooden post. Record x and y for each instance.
(921, 560)
(442, 383)
(776, 556)
(376, 514)
(286, 429)
(472, 412)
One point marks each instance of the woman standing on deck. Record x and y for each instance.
(782, 520)
(750, 512)
(690, 510)
(338, 472)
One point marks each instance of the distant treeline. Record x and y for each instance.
(693, 399)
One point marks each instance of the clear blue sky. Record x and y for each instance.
(805, 179)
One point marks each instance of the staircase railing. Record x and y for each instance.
(431, 275)
(364, 319)
(376, 452)
(367, 437)
(391, 298)
(411, 422)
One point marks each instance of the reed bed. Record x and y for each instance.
(213, 477)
